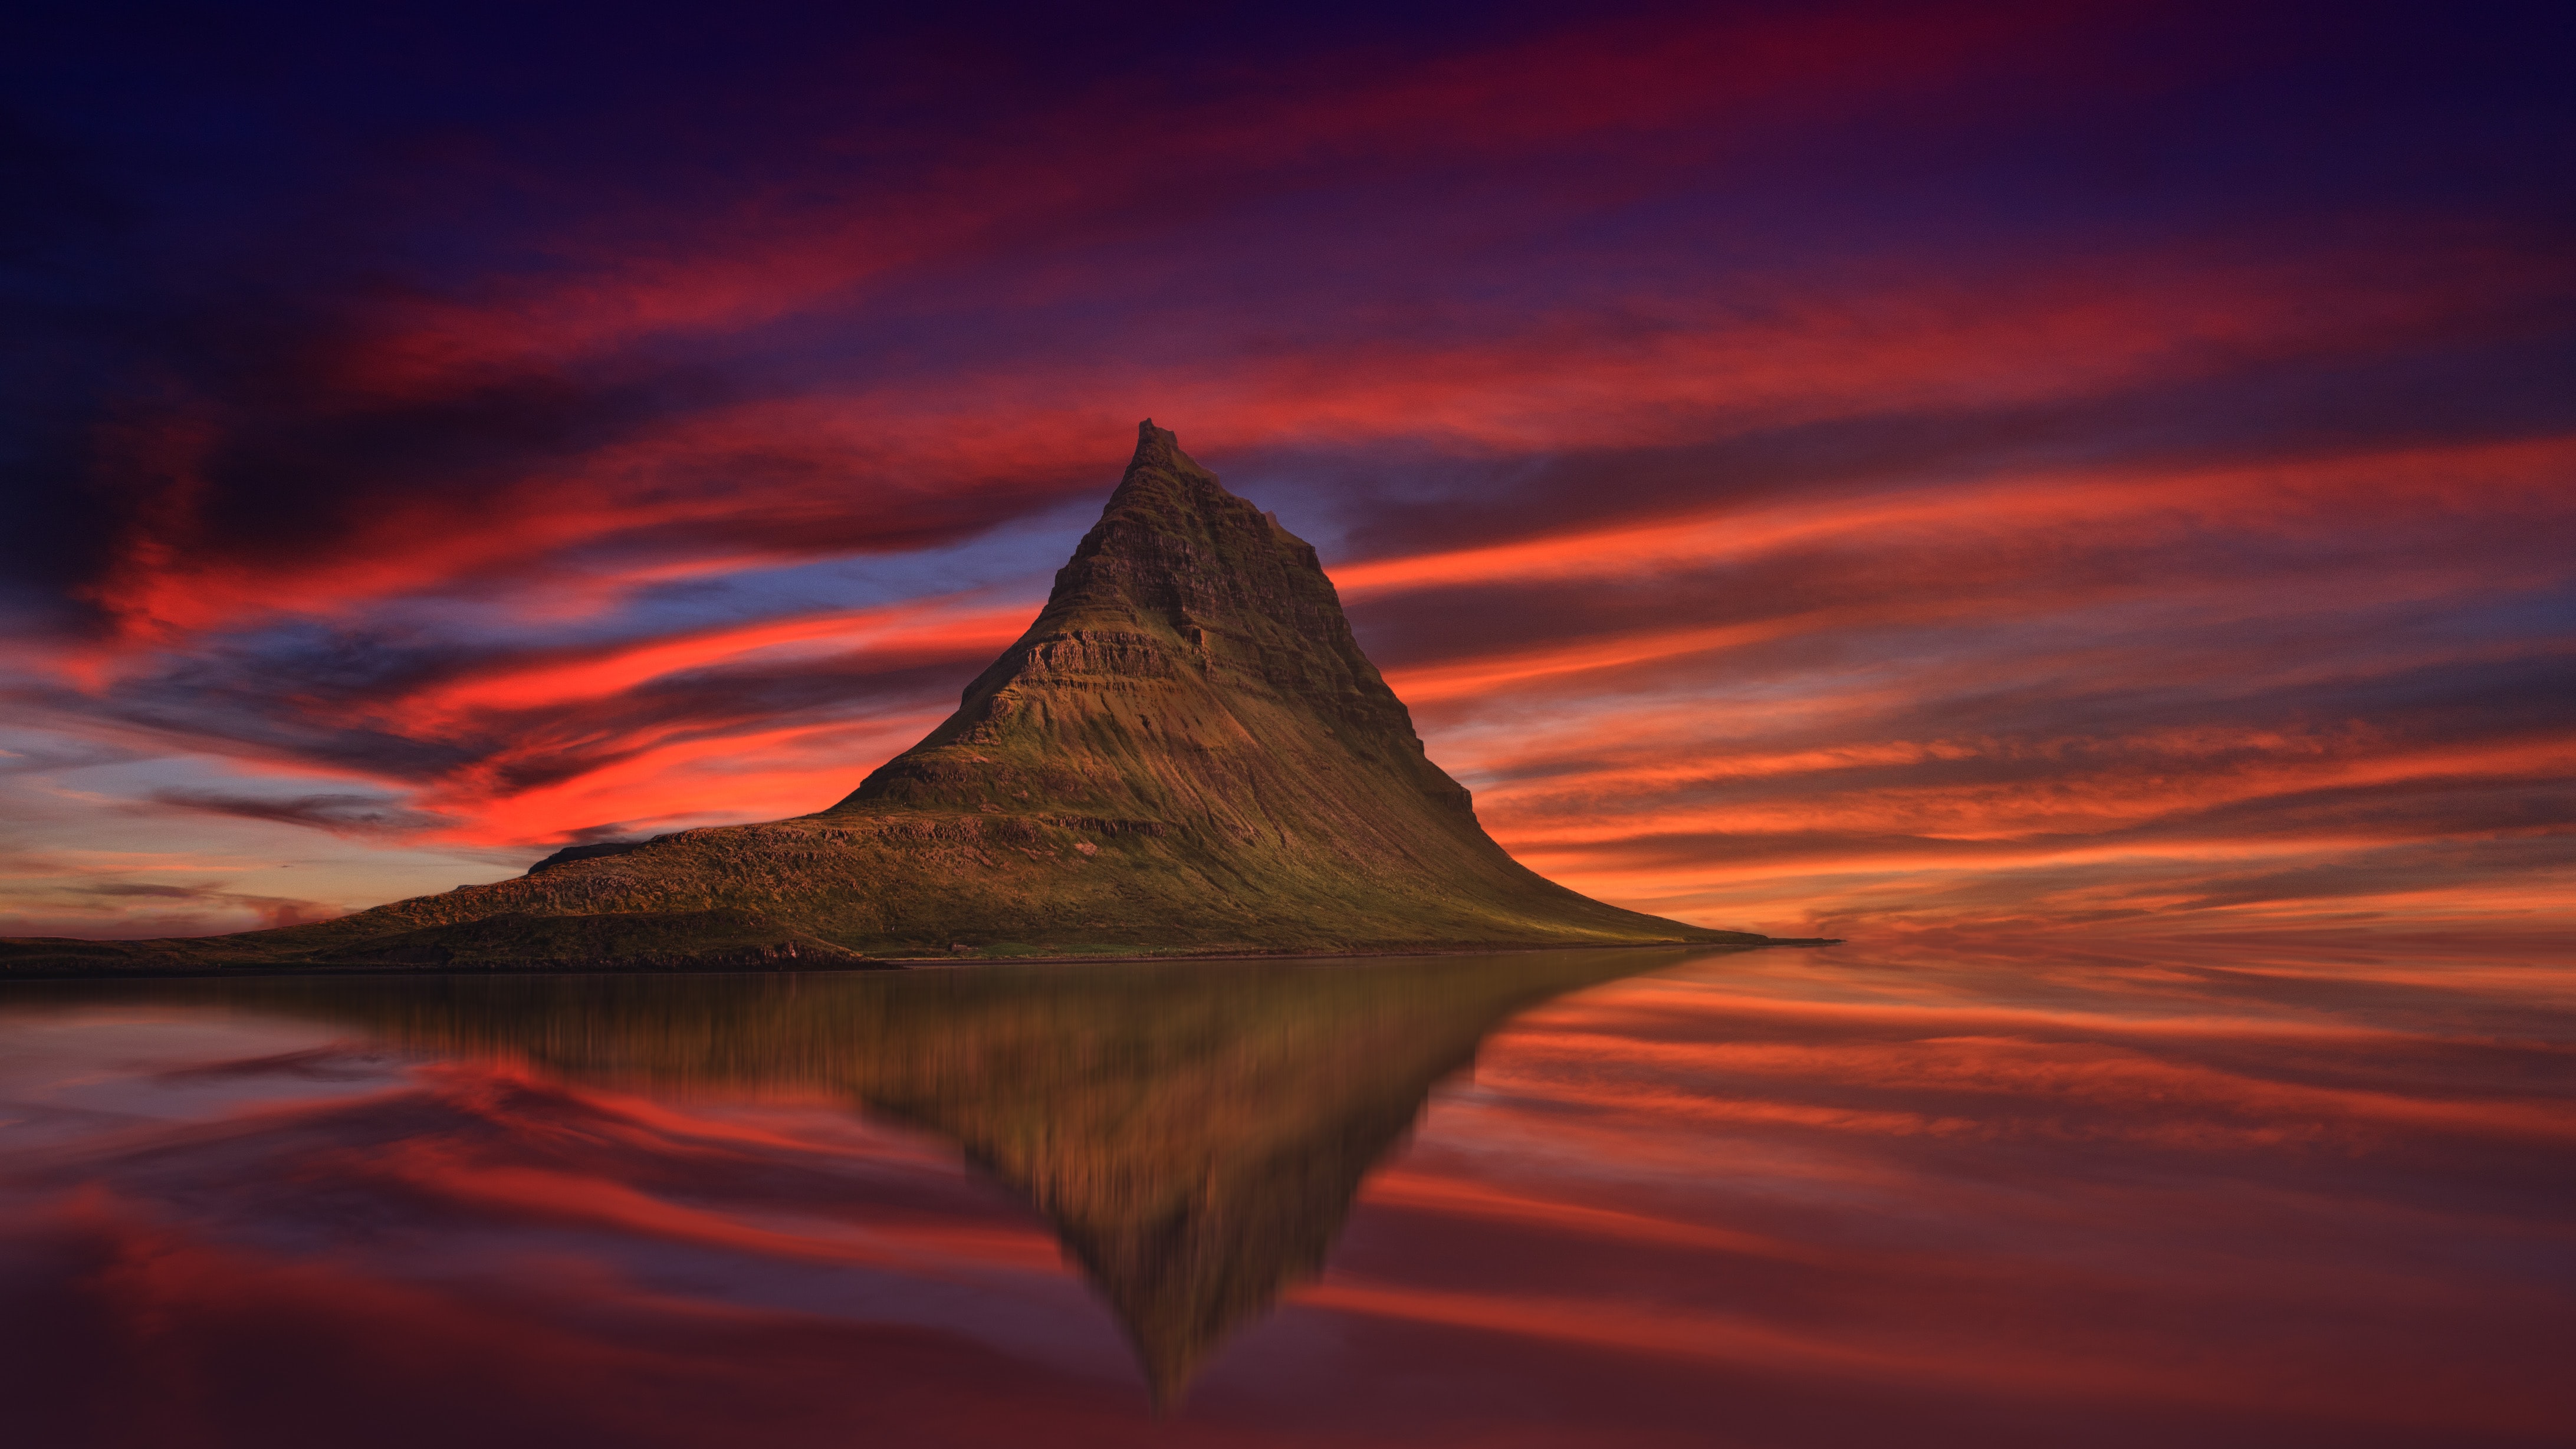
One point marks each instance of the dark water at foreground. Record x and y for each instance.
(1995, 1196)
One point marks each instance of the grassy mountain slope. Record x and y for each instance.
(1186, 753)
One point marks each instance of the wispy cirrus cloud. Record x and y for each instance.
(1868, 466)
(338, 814)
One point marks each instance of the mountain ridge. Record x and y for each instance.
(1186, 753)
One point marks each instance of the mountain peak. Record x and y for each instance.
(1169, 514)
(1187, 752)
(1189, 647)
(1161, 448)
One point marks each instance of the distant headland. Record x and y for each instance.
(1185, 755)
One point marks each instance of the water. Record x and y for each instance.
(2046, 1195)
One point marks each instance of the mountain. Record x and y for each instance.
(1186, 753)
(1194, 1132)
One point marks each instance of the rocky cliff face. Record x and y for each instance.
(1191, 661)
(1186, 753)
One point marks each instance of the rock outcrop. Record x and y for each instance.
(1186, 753)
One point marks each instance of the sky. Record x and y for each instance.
(1843, 468)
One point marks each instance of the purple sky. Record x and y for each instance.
(1808, 467)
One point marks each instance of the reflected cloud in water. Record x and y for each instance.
(2220, 1192)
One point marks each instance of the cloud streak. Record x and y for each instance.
(1871, 468)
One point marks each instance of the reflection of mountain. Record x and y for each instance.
(1195, 1132)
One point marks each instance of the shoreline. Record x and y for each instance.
(870, 963)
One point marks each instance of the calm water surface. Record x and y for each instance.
(2230, 1193)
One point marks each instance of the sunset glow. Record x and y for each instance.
(1851, 469)
(2306, 1194)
